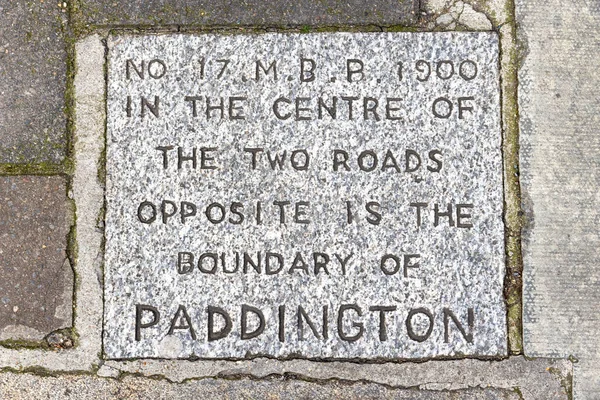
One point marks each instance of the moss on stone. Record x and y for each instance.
(9, 169)
(402, 28)
(45, 372)
(566, 381)
(18, 344)
(513, 213)
(517, 390)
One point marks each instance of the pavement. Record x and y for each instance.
(33, 65)
(51, 202)
(240, 13)
(36, 279)
(19, 386)
(558, 103)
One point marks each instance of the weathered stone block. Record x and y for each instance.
(560, 148)
(320, 195)
(247, 13)
(32, 82)
(36, 279)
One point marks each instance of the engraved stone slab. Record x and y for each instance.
(331, 196)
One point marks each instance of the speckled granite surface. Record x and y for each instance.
(314, 195)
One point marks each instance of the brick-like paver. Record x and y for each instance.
(36, 280)
(247, 12)
(32, 81)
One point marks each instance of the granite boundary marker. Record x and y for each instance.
(352, 181)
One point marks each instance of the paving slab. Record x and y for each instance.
(560, 149)
(36, 279)
(334, 262)
(246, 12)
(26, 386)
(32, 81)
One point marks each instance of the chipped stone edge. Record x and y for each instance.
(462, 14)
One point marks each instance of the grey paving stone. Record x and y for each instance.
(138, 244)
(560, 176)
(25, 386)
(32, 81)
(35, 280)
(247, 12)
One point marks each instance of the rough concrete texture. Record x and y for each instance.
(560, 149)
(36, 279)
(30, 387)
(448, 14)
(32, 81)
(536, 379)
(245, 12)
